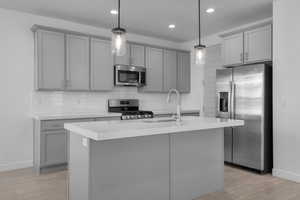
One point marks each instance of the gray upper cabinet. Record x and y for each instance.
(154, 70)
(71, 61)
(123, 60)
(258, 44)
(77, 65)
(101, 65)
(50, 60)
(233, 49)
(170, 70)
(137, 55)
(251, 46)
(184, 72)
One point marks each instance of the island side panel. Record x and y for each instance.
(130, 169)
(78, 168)
(197, 163)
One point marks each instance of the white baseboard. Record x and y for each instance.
(286, 175)
(16, 165)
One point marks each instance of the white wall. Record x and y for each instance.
(18, 99)
(286, 89)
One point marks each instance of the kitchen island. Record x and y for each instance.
(152, 159)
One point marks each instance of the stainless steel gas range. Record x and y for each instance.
(129, 109)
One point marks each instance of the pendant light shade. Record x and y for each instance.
(200, 54)
(200, 49)
(118, 44)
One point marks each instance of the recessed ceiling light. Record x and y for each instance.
(172, 26)
(114, 12)
(210, 10)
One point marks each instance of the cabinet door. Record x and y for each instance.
(184, 72)
(50, 56)
(101, 65)
(77, 62)
(54, 147)
(123, 60)
(170, 70)
(233, 49)
(137, 55)
(258, 44)
(154, 70)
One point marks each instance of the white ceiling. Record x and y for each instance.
(151, 17)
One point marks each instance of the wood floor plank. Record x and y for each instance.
(239, 185)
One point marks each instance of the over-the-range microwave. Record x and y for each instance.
(125, 75)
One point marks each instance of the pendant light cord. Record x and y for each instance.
(119, 13)
(199, 15)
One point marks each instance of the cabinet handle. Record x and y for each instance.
(241, 57)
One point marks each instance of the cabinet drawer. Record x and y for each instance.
(196, 114)
(59, 124)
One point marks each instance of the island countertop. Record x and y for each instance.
(108, 130)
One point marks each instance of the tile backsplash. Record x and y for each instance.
(92, 102)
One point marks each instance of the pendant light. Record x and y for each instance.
(118, 43)
(200, 51)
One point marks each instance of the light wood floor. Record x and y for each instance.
(239, 185)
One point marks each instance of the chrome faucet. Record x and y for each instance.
(178, 107)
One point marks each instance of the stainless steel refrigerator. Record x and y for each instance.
(245, 93)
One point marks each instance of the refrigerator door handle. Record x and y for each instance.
(230, 100)
(233, 98)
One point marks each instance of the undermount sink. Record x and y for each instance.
(160, 120)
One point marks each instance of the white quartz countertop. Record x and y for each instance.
(66, 115)
(81, 115)
(118, 129)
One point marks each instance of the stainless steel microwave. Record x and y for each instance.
(125, 75)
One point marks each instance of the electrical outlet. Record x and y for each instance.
(84, 141)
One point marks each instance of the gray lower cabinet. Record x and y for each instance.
(77, 65)
(154, 70)
(55, 147)
(101, 65)
(50, 60)
(51, 143)
(184, 72)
